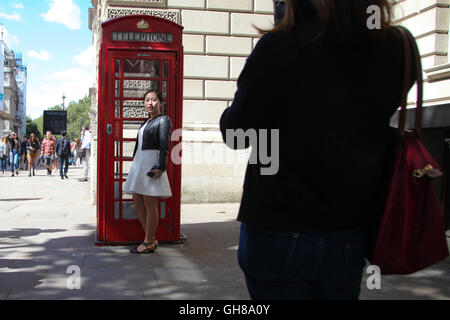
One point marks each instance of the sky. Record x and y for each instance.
(56, 45)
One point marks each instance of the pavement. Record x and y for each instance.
(48, 252)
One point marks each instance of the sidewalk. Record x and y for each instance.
(47, 225)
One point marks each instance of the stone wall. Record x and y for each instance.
(217, 38)
(429, 21)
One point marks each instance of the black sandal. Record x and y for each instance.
(147, 248)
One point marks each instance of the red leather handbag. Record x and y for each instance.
(411, 235)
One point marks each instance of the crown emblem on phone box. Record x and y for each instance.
(143, 24)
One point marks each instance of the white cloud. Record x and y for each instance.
(14, 16)
(11, 40)
(85, 58)
(42, 55)
(64, 12)
(69, 75)
(18, 6)
(73, 83)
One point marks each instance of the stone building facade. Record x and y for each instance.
(13, 90)
(218, 35)
(428, 20)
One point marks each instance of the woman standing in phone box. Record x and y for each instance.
(147, 179)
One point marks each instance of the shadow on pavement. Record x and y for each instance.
(203, 267)
(28, 232)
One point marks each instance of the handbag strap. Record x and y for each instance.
(410, 45)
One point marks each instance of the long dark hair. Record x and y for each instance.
(33, 137)
(158, 94)
(340, 18)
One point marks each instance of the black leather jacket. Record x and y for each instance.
(156, 136)
(14, 143)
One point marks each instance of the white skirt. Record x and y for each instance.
(139, 182)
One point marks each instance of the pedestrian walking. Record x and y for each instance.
(72, 153)
(33, 147)
(86, 150)
(48, 151)
(3, 154)
(63, 154)
(55, 164)
(147, 179)
(303, 226)
(14, 147)
(76, 152)
(23, 154)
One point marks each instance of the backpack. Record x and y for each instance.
(65, 147)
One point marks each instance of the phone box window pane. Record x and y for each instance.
(117, 88)
(128, 149)
(129, 212)
(130, 129)
(117, 65)
(137, 88)
(117, 109)
(116, 210)
(126, 167)
(141, 68)
(164, 69)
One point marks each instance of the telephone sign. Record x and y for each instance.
(143, 37)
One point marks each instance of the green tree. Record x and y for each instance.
(32, 127)
(77, 116)
(56, 108)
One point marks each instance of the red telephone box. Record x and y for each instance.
(137, 53)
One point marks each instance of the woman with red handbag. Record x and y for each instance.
(328, 77)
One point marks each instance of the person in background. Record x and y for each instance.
(3, 153)
(304, 226)
(63, 153)
(14, 147)
(23, 154)
(33, 147)
(48, 151)
(72, 150)
(76, 150)
(86, 146)
(55, 164)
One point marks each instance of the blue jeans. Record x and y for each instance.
(281, 265)
(3, 164)
(14, 159)
(63, 161)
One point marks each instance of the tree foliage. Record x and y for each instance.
(77, 116)
(32, 127)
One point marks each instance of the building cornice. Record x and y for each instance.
(6, 116)
(438, 73)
